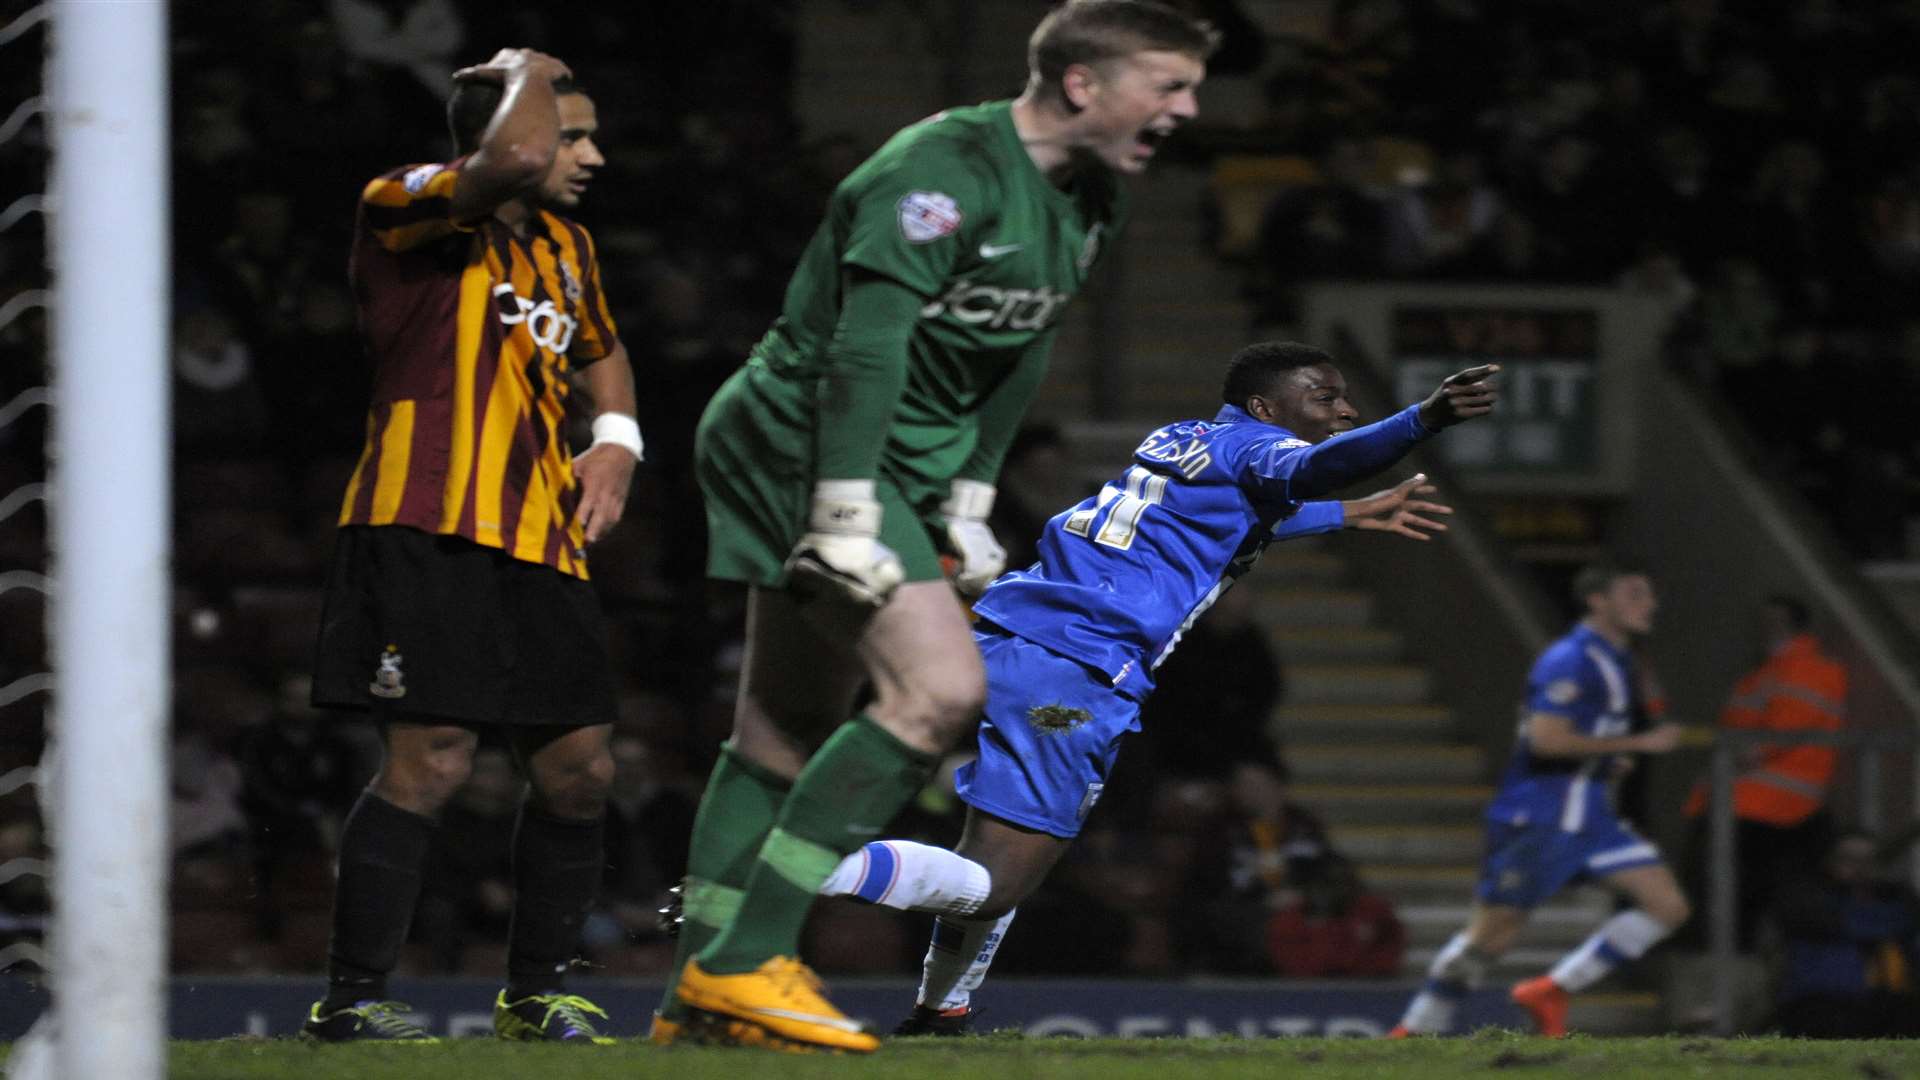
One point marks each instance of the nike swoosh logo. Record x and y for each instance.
(839, 1023)
(994, 251)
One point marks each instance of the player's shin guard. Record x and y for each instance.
(1626, 936)
(381, 851)
(1456, 969)
(557, 865)
(911, 877)
(736, 812)
(958, 958)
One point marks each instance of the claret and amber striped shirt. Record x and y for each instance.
(471, 328)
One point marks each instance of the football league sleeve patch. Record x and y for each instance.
(909, 222)
(411, 206)
(1556, 685)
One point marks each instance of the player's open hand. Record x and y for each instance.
(1398, 510)
(605, 474)
(1461, 397)
(507, 61)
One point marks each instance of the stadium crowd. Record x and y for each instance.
(1752, 167)
(1748, 167)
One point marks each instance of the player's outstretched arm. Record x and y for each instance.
(1303, 473)
(1396, 510)
(519, 144)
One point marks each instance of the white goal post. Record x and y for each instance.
(108, 506)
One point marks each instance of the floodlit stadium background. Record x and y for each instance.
(1690, 232)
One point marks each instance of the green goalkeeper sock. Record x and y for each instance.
(851, 788)
(739, 806)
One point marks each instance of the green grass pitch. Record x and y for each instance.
(1002, 1057)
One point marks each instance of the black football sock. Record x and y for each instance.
(557, 863)
(381, 851)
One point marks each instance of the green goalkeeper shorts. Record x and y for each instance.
(753, 456)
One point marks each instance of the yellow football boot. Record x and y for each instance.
(784, 997)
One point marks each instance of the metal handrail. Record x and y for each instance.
(1723, 837)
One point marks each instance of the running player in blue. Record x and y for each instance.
(1552, 823)
(1071, 643)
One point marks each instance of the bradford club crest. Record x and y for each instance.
(569, 281)
(387, 680)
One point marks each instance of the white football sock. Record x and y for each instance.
(1626, 936)
(1456, 969)
(958, 958)
(911, 877)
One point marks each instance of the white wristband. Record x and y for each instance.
(844, 508)
(843, 490)
(621, 430)
(969, 499)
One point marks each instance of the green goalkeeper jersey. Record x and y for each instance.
(954, 209)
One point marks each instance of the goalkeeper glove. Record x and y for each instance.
(981, 556)
(841, 553)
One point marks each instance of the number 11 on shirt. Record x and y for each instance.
(1143, 489)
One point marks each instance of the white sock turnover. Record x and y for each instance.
(1626, 936)
(911, 877)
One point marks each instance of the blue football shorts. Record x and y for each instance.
(1049, 737)
(1526, 865)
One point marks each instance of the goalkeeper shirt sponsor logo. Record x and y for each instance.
(998, 308)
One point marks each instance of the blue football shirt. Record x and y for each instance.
(1584, 678)
(1124, 573)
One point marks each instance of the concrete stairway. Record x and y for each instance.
(1376, 757)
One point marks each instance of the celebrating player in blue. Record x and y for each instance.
(1553, 824)
(1071, 643)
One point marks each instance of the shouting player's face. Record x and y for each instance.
(1129, 105)
(577, 157)
(1310, 401)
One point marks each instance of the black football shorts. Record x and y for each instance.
(440, 628)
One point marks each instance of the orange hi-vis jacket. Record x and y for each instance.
(1798, 688)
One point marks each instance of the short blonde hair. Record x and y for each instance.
(1089, 31)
